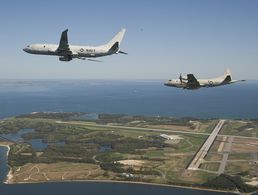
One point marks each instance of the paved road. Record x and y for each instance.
(198, 159)
(227, 150)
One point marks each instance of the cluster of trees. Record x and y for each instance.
(53, 132)
(17, 155)
(51, 115)
(150, 120)
(114, 167)
(12, 126)
(109, 157)
(143, 171)
(131, 145)
(68, 152)
(118, 168)
(227, 182)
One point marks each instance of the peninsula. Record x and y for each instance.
(211, 153)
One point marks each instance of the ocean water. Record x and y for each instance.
(127, 97)
(3, 163)
(95, 188)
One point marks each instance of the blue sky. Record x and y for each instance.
(163, 38)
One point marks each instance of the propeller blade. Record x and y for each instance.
(180, 77)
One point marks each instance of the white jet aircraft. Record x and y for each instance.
(68, 52)
(190, 82)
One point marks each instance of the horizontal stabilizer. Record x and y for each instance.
(123, 52)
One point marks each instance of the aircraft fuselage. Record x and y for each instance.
(190, 82)
(203, 83)
(79, 51)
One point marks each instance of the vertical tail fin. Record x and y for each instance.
(117, 39)
(227, 72)
(227, 76)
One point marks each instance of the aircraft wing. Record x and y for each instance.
(63, 48)
(192, 82)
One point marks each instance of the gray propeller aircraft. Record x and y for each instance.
(190, 82)
(68, 52)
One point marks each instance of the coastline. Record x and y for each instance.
(9, 175)
(131, 182)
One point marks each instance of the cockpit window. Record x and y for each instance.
(28, 45)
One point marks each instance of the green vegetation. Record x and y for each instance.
(213, 156)
(115, 167)
(211, 126)
(240, 156)
(146, 120)
(210, 166)
(13, 126)
(235, 168)
(109, 157)
(52, 115)
(21, 154)
(227, 182)
(240, 128)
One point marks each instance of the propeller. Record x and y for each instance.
(181, 78)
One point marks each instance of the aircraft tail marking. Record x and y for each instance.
(115, 43)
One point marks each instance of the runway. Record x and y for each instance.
(198, 159)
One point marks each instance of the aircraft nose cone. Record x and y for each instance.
(25, 49)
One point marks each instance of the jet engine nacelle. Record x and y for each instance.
(66, 59)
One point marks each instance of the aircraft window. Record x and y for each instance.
(169, 80)
(28, 46)
(44, 46)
